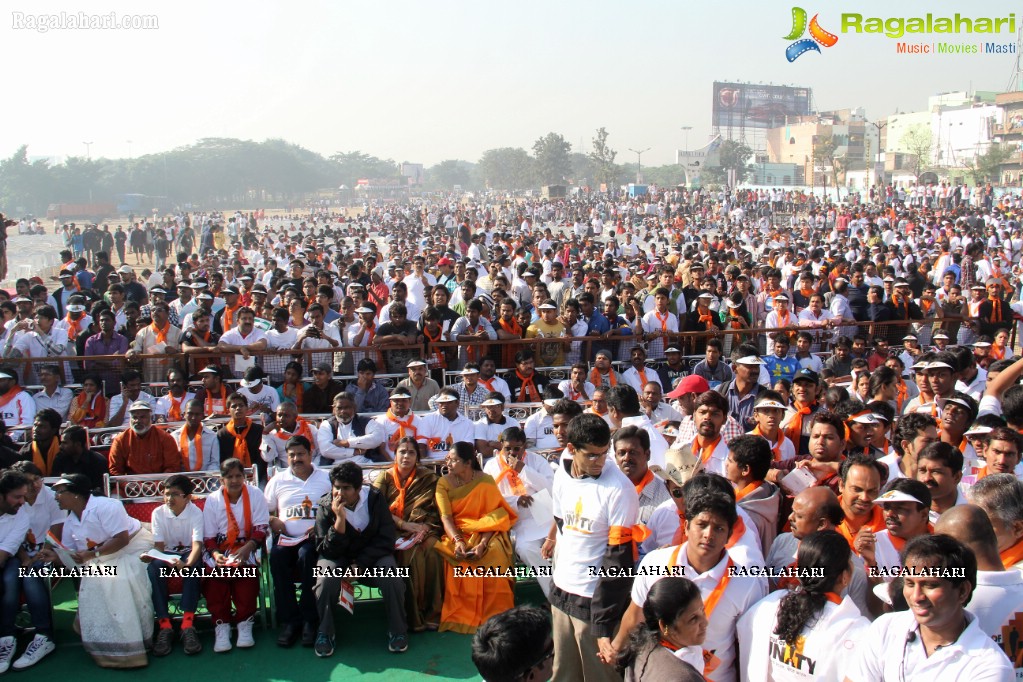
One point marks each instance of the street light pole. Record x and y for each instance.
(880, 125)
(685, 166)
(639, 163)
(88, 150)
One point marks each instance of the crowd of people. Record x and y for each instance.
(731, 435)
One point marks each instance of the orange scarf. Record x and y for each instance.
(183, 444)
(664, 321)
(750, 487)
(73, 326)
(735, 319)
(901, 307)
(10, 395)
(489, 383)
(227, 322)
(233, 531)
(647, 477)
(1012, 555)
(45, 464)
(900, 399)
(776, 446)
(795, 430)
(705, 316)
(597, 379)
(875, 523)
(301, 429)
(296, 395)
(398, 506)
(996, 309)
(512, 327)
(174, 413)
(926, 305)
(514, 480)
(222, 401)
(527, 388)
(642, 378)
(706, 450)
(241, 450)
(405, 427)
(161, 334)
(714, 597)
(807, 293)
(438, 353)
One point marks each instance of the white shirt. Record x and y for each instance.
(827, 642)
(177, 533)
(539, 428)
(329, 331)
(19, 411)
(536, 475)
(214, 515)
(267, 397)
(359, 517)
(295, 500)
(162, 405)
(997, 601)
(13, 529)
(632, 377)
(235, 338)
(102, 519)
(59, 401)
(441, 433)
(326, 435)
(484, 430)
(664, 522)
(738, 596)
(888, 653)
(42, 515)
(210, 451)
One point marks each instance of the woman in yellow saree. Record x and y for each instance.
(476, 522)
(411, 492)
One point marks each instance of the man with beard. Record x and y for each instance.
(142, 449)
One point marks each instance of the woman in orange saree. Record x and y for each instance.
(476, 522)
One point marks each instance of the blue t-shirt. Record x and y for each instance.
(781, 368)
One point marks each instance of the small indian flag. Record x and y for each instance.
(347, 596)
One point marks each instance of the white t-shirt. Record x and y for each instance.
(210, 451)
(13, 529)
(267, 397)
(825, 644)
(441, 433)
(177, 533)
(484, 430)
(102, 519)
(997, 602)
(739, 594)
(42, 516)
(664, 522)
(539, 428)
(890, 652)
(162, 405)
(214, 515)
(295, 500)
(536, 475)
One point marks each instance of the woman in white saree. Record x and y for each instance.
(115, 609)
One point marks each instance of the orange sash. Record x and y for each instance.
(776, 446)
(222, 401)
(706, 450)
(296, 396)
(227, 323)
(160, 334)
(996, 309)
(642, 378)
(875, 523)
(183, 444)
(711, 602)
(398, 506)
(664, 322)
(647, 477)
(91, 416)
(241, 450)
(231, 543)
(73, 326)
(438, 353)
(405, 428)
(514, 480)
(527, 388)
(739, 494)
(795, 430)
(597, 379)
(174, 413)
(45, 464)
(1012, 555)
(9, 396)
(301, 429)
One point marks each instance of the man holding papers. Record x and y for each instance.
(291, 497)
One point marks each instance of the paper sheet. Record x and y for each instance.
(542, 508)
(162, 556)
(798, 480)
(242, 363)
(290, 541)
(62, 552)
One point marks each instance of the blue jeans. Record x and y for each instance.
(189, 590)
(285, 562)
(37, 596)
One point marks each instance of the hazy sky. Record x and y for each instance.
(428, 81)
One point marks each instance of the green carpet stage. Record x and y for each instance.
(361, 653)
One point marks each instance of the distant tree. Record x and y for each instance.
(508, 168)
(733, 156)
(446, 174)
(603, 159)
(919, 144)
(354, 166)
(825, 149)
(552, 161)
(988, 166)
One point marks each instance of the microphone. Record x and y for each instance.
(911, 637)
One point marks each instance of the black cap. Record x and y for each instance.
(807, 374)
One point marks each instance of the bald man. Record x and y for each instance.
(815, 509)
(1001, 496)
(997, 599)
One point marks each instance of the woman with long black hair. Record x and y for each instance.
(669, 640)
(811, 628)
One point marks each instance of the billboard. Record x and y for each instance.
(412, 171)
(745, 105)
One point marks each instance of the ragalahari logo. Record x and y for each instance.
(818, 36)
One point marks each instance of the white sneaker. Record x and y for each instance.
(245, 639)
(222, 633)
(37, 650)
(7, 646)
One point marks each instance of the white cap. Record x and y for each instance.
(445, 398)
(896, 496)
(769, 405)
(416, 363)
(749, 360)
(864, 417)
(491, 401)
